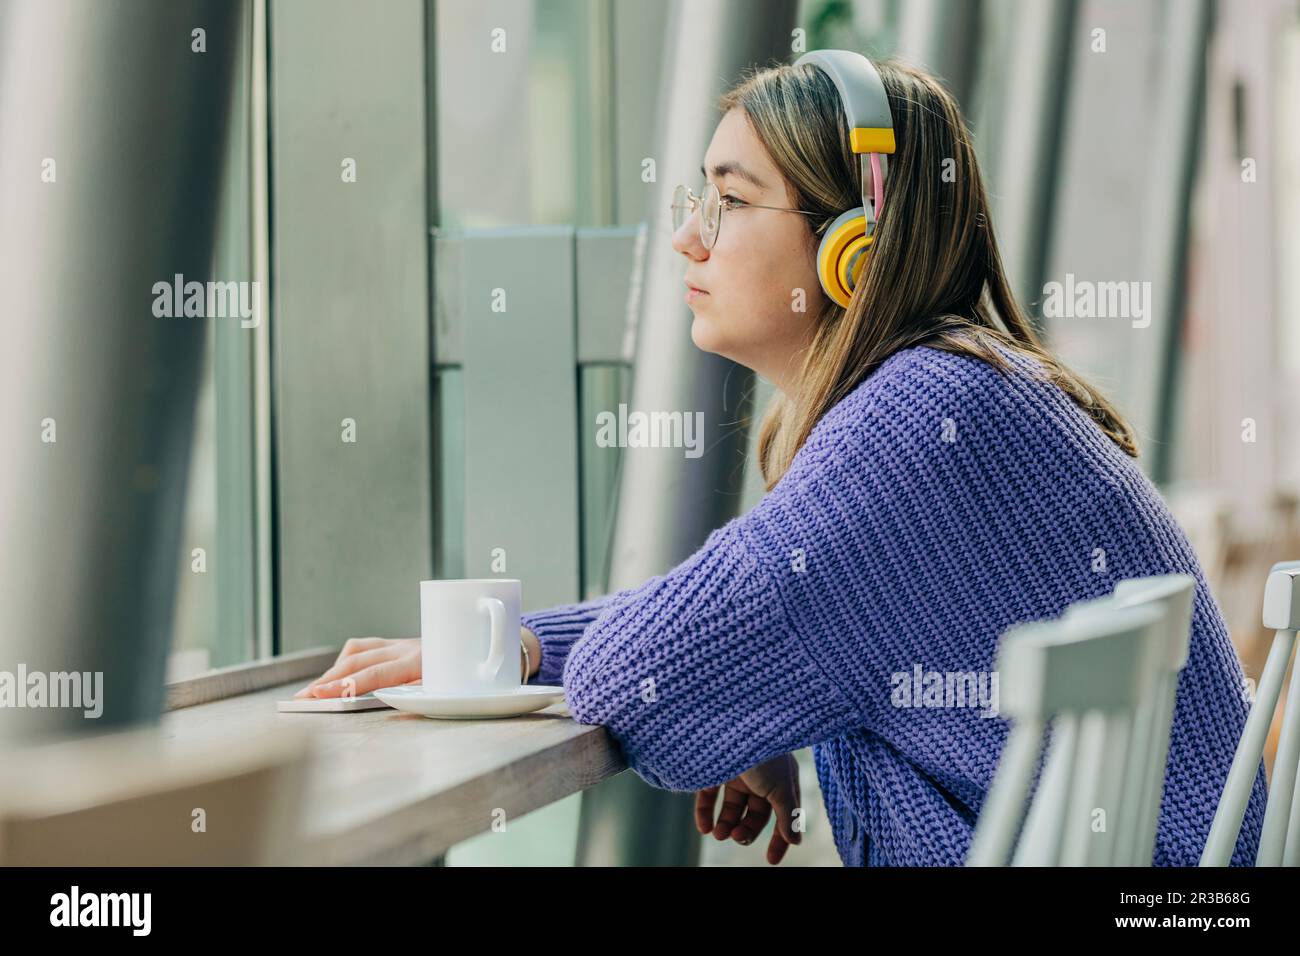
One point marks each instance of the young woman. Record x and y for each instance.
(934, 476)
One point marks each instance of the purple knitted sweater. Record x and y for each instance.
(932, 508)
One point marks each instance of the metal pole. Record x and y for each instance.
(1175, 154)
(668, 503)
(114, 125)
(1022, 139)
(943, 37)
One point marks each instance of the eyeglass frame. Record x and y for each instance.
(694, 203)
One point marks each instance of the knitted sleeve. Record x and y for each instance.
(557, 628)
(698, 675)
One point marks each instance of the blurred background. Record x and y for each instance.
(373, 170)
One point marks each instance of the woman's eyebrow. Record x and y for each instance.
(735, 169)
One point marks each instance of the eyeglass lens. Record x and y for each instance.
(710, 208)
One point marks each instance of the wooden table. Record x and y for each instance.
(387, 787)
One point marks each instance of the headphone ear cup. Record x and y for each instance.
(842, 255)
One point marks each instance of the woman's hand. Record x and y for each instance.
(366, 664)
(372, 663)
(772, 785)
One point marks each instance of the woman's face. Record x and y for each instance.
(762, 294)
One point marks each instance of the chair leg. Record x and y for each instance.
(1004, 806)
(1245, 764)
(1278, 814)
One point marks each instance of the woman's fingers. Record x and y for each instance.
(705, 800)
(776, 847)
(755, 820)
(785, 803)
(745, 815)
(346, 662)
(354, 645)
(358, 661)
(388, 674)
(733, 808)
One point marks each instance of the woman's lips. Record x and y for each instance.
(692, 293)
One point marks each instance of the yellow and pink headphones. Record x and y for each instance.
(844, 248)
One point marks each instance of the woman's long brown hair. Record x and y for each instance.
(935, 275)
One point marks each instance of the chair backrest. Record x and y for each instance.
(1089, 674)
(129, 799)
(1175, 596)
(1279, 842)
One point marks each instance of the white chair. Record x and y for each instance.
(1090, 674)
(1174, 595)
(1279, 843)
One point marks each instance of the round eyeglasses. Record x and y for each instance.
(711, 206)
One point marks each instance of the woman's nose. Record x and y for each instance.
(686, 239)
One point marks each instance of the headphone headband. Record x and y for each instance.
(871, 124)
(866, 107)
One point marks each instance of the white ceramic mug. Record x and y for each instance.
(469, 635)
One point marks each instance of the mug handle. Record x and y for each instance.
(497, 652)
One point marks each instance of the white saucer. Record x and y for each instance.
(524, 699)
